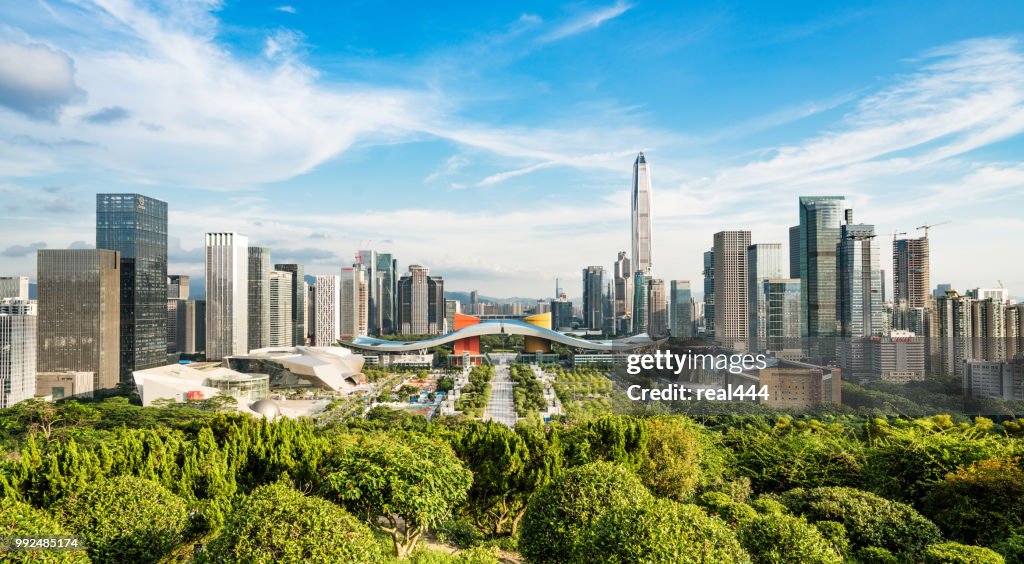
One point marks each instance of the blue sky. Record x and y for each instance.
(493, 142)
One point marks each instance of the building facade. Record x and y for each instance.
(860, 307)
(709, 293)
(731, 279)
(764, 262)
(641, 215)
(298, 301)
(329, 324)
(420, 302)
(820, 220)
(783, 318)
(640, 308)
(355, 302)
(14, 287)
(282, 333)
(911, 278)
(622, 300)
(593, 294)
(136, 227)
(259, 298)
(227, 295)
(79, 323)
(681, 309)
(657, 308)
(17, 351)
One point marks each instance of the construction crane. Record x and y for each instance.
(896, 234)
(927, 227)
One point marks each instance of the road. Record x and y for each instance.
(500, 405)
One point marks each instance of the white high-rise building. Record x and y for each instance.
(355, 302)
(281, 329)
(17, 351)
(227, 295)
(368, 264)
(641, 203)
(14, 287)
(328, 311)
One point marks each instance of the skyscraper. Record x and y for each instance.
(641, 205)
(681, 309)
(14, 287)
(227, 295)
(259, 298)
(859, 298)
(17, 351)
(623, 293)
(329, 324)
(794, 252)
(387, 270)
(354, 302)
(782, 332)
(281, 331)
(561, 313)
(367, 261)
(136, 227)
(298, 301)
(911, 278)
(593, 306)
(79, 324)
(820, 219)
(420, 302)
(640, 310)
(954, 327)
(731, 279)
(764, 261)
(657, 308)
(709, 293)
(177, 322)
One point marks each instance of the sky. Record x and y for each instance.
(494, 141)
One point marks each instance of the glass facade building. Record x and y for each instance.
(136, 226)
(298, 301)
(820, 220)
(259, 298)
(681, 309)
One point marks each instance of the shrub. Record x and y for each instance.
(725, 508)
(670, 468)
(835, 533)
(956, 553)
(21, 519)
(782, 539)
(560, 512)
(659, 531)
(126, 519)
(471, 556)
(279, 524)
(768, 504)
(457, 533)
(876, 555)
(1012, 548)
(869, 519)
(783, 458)
(981, 504)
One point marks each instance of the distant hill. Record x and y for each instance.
(464, 298)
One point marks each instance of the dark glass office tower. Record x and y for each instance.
(298, 302)
(136, 226)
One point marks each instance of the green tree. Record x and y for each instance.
(276, 523)
(869, 520)
(126, 519)
(400, 483)
(659, 531)
(670, 466)
(618, 439)
(559, 514)
(21, 519)
(983, 503)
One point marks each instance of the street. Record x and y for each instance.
(500, 405)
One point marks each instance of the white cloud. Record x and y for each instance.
(287, 9)
(36, 80)
(587, 21)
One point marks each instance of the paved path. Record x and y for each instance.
(500, 405)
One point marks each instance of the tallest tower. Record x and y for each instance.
(641, 215)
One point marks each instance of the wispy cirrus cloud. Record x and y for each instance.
(586, 21)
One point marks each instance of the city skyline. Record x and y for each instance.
(923, 129)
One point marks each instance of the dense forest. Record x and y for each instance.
(192, 483)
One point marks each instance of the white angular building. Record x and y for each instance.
(227, 295)
(328, 311)
(17, 351)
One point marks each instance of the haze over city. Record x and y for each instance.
(494, 144)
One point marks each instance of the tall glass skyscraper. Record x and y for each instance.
(387, 270)
(593, 302)
(820, 220)
(136, 226)
(259, 297)
(640, 321)
(298, 301)
(681, 309)
(641, 206)
(764, 261)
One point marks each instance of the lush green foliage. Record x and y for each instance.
(659, 531)
(559, 514)
(474, 395)
(983, 503)
(611, 438)
(955, 553)
(21, 519)
(869, 519)
(782, 539)
(1012, 548)
(126, 519)
(528, 392)
(671, 465)
(407, 481)
(276, 523)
